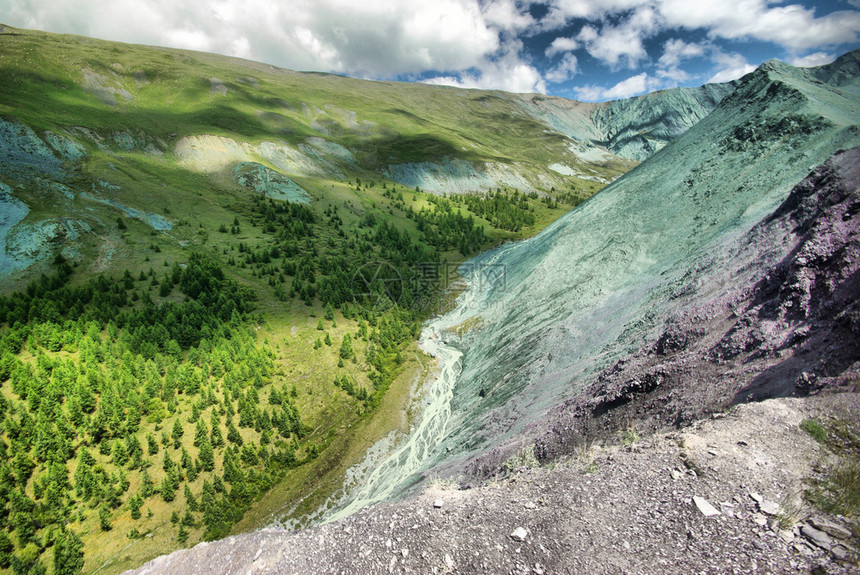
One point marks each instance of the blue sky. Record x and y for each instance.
(592, 50)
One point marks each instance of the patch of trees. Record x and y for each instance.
(506, 211)
(445, 227)
(110, 401)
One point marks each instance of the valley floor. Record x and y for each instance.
(622, 508)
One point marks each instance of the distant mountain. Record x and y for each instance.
(634, 128)
(80, 113)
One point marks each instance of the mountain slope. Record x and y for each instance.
(84, 111)
(606, 280)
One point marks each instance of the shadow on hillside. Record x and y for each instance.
(829, 349)
(401, 148)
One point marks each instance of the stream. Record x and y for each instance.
(392, 465)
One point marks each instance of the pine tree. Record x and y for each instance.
(134, 505)
(346, 347)
(104, 518)
(6, 549)
(68, 554)
(168, 492)
(151, 444)
(207, 456)
(190, 501)
(177, 434)
(187, 519)
(233, 435)
(201, 433)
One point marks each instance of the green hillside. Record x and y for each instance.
(212, 276)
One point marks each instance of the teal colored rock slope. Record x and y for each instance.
(598, 284)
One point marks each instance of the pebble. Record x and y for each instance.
(706, 508)
(519, 534)
(786, 535)
(727, 509)
(437, 504)
(768, 507)
(803, 549)
(830, 528)
(819, 538)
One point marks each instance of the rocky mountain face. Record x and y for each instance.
(633, 128)
(707, 250)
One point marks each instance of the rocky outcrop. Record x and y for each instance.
(636, 128)
(793, 331)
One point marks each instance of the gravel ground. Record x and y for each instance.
(616, 509)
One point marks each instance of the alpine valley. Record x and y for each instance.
(371, 327)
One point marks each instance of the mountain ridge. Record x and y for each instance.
(718, 180)
(278, 189)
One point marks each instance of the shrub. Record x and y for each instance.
(814, 429)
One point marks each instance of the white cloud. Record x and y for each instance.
(564, 70)
(622, 44)
(613, 45)
(632, 86)
(791, 26)
(507, 71)
(675, 50)
(378, 38)
(731, 67)
(520, 78)
(507, 15)
(560, 45)
(561, 12)
(814, 59)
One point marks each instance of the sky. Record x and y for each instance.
(590, 50)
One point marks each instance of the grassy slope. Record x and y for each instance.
(43, 83)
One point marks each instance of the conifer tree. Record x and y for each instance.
(177, 434)
(68, 554)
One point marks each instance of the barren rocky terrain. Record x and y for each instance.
(720, 496)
